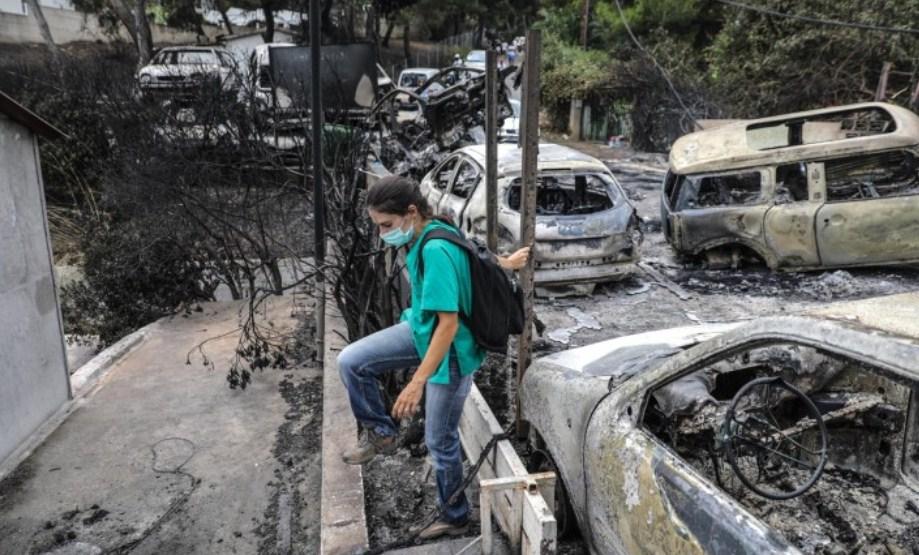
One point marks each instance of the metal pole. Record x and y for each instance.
(318, 192)
(491, 150)
(528, 202)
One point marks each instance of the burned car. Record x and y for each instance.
(783, 435)
(586, 229)
(821, 189)
(450, 114)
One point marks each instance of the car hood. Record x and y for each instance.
(623, 357)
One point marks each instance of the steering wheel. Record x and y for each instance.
(765, 448)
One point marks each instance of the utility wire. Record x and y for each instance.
(818, 20)
(663, 71)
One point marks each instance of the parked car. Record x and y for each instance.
(258, 89)
(783, 435)
(510, 129)
(821, 189)
(187, 68)
(586, 229)
(412, 79)
(475, 59)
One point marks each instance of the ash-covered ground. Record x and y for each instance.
(401, 490)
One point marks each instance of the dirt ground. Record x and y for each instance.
(401, 490)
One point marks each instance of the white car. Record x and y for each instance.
(411, 79)
(586, 228)
(510, 129)
(258, 80)
(475, 59)
(185, 68)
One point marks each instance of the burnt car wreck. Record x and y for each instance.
(784, 435)
(448, 113)
(587, 231)
(827, 188)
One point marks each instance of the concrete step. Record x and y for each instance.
(456, 546)
(344, 524)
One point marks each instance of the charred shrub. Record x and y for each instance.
(133, 275)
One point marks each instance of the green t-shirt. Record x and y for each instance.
(446, 287)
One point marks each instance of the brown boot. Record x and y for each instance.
(440, 528)
(371, 445)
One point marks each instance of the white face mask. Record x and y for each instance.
(398, 237)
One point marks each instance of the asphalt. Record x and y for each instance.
(159, 456)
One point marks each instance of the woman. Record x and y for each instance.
(431, 338)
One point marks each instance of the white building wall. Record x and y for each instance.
(34, 381)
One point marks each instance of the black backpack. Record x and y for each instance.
(497, 300)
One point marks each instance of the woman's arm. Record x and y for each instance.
(516, 260)
(409, 400)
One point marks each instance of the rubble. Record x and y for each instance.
(582, 320)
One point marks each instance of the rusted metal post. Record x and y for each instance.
(318, 189)
(491, 149)
(528, 201)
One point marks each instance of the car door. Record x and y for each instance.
(789, 227)
(709, 210)
(871, 214)
(643, 498)
(465, 180)
(435, 184)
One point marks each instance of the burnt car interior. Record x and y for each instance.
(825, 127)
(568, 194)
(884, 174)
(822, 448)
(709, 191)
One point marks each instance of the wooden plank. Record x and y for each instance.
(522, 513)
(539, 526)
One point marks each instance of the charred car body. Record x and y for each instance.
(784, 435)
(450, 114)
(827, 188)
(586, 229)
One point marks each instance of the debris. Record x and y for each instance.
(582, 321)
(643, 288)
(97, 515)
(664, 281)
(693, 317)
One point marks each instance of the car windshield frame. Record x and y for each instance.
(612, 188)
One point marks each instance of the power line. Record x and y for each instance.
(663, 71)
(818, 20)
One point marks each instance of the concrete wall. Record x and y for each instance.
(70, 26)
(34, 381)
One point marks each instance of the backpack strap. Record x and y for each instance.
(449, 236)
(457, 239)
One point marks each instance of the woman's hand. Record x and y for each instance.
(516, 260)
(409, 401)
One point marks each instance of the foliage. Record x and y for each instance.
(763, 65)
(724, 61)
(133, 277)
(572, 72)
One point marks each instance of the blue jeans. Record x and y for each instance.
(363, 362)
